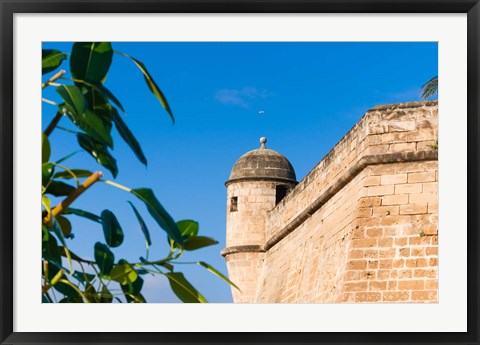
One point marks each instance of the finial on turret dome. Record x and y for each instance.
(263, 141)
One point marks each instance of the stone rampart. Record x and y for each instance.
(362, 225)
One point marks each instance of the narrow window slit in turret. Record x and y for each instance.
(234, 204)
(280, 193)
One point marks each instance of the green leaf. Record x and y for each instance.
(51, 251)
(84, 277)
(430, 88)
(128, 136)
(45, 235)
(47, 172)
(58, 188)
(82, 213)
(158, 213)
(90, 61)
(68, 156)
(95, 127)
(47, 205)
(76, 108)
(75, 102)
(152, 85)
(51, 59)
(124, 274)
(70, 290)
(72, 296)
(183, 289)
(91, 294)
(106, 93)
(45, 148)
(74, 256)
(139, 299)
(142, 271)
(77, 172)
(167, 266)
(106, 296)
(98, 151)
(143, 226)
(76, 299)
(217, 273)
(65, 225)
(188, 227)
(104, 258)
(131, 290)
(111, 229)
(58, 231)
(197, 242)
(99, 106)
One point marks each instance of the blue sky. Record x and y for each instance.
(311, 93)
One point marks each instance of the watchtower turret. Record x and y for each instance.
(259, 180)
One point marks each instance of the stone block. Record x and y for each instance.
(387, 253)
(381, 190)
(413, 208)
(395, 296)
(401, 126)
(374, 232)
(413, 263)
(382, 211)
(417, 198)
(367, 296)
(426, 176)
(357, 286)
(430, 187)
(411, 285)
(370, 202)
(377, 286)
(393, 179)
(402, 147)
(408, 188)
(364, 243)
(371, 181)
(357, 265)
(424, 296)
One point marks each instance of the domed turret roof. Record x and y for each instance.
(262, 164)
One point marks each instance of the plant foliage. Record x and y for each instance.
(430, 88)
(93, 110)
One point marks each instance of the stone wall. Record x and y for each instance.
(308, 265)
(362, 226)
(393, 246)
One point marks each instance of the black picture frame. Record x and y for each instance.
(9, 8)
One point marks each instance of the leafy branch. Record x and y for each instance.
(430, 88)
(91, 107)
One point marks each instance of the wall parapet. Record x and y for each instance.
(385, 134)
(398, 157)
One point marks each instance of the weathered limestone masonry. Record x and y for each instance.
(362, 226)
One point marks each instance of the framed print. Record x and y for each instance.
(239, 172)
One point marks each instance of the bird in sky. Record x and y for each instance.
(261, 112)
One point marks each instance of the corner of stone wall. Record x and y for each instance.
(362, 226)
(393, 254)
